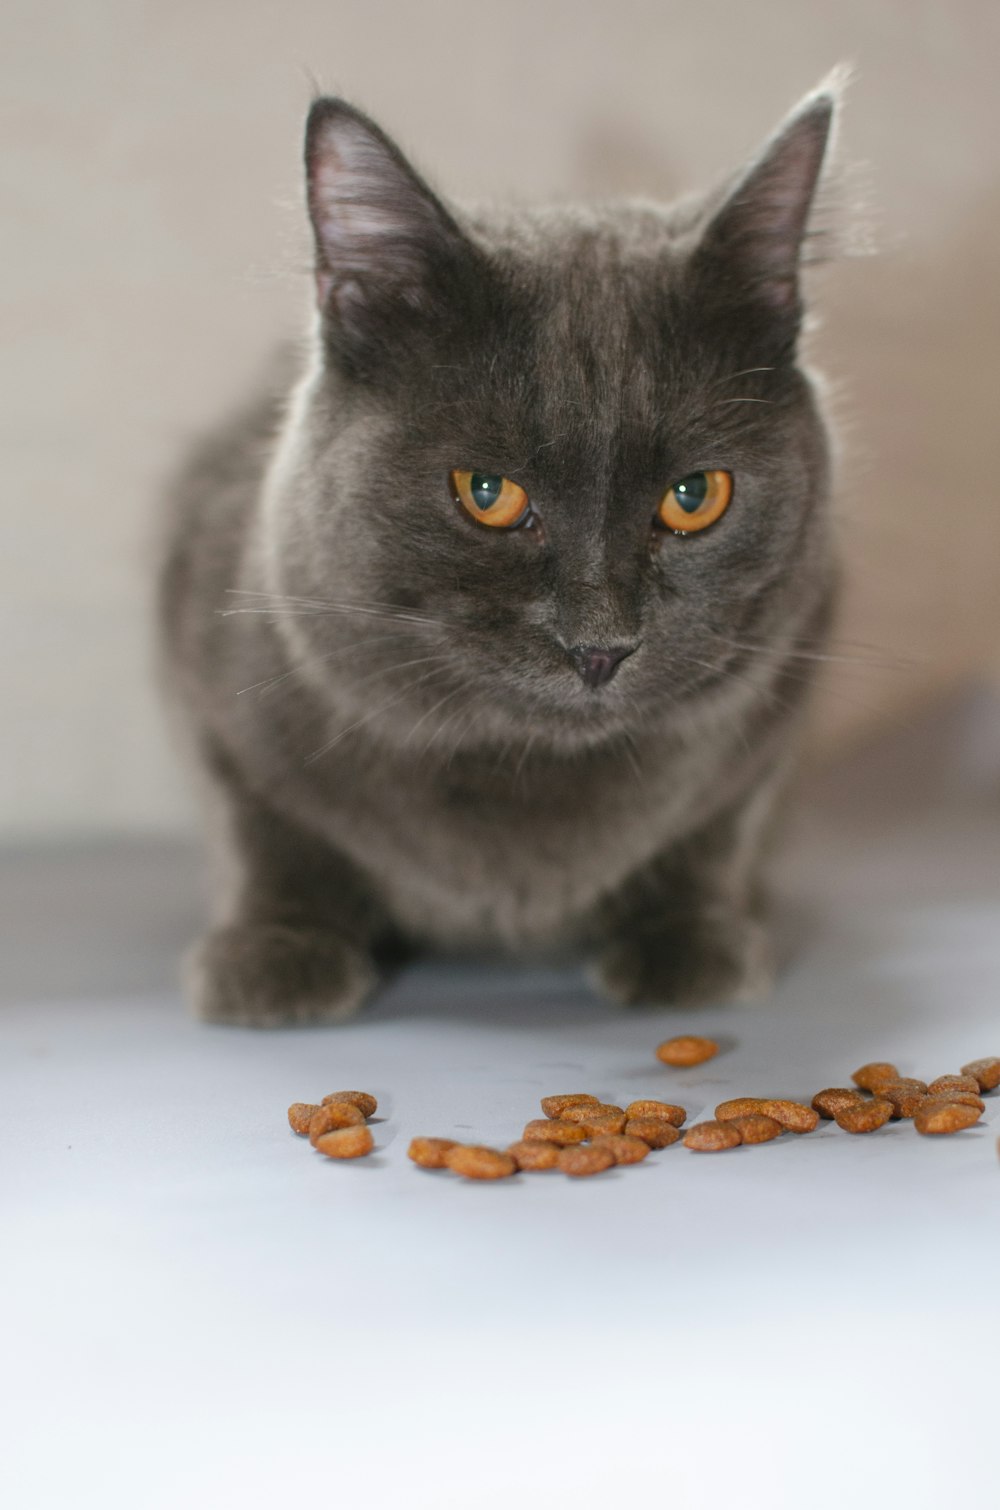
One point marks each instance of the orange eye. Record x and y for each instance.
(695, 502)
(491, 499)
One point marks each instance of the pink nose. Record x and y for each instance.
(596, 664)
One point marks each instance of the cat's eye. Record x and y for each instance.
(695, 502)
(491, 499)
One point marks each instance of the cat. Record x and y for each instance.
(496, 635)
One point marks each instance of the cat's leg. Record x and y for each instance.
(692, 925)
(298, 930)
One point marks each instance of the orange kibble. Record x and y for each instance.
(624, 1148)
(591, 1158)
(863, 1116)
(334, 1115)
(655, 1132)
(664, 1109)
(945, 1117)
(476, 1162)
(555, 1106)
(553, 1130)
(300, 1114)
(829, 1102)
(871, 1077)
(985, 1072)
(955, 1098)
(686, 1050)
(429, 1152)
(904, 1095)
(534, 1153)
(605, 1122)
(945, 1084)
(756, 1128)
(791, 1114)
(583, 1111)
(711, 1137)
(346, 1142)
(366, 1104)
(740, 1106)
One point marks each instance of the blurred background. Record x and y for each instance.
(155, 252)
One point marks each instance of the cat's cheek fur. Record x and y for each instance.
(258, 975)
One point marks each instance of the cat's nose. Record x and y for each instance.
(597, 664)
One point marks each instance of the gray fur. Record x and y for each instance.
(400, 753)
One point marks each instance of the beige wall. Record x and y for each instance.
(155, 250)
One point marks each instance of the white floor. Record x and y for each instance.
(196, 1310)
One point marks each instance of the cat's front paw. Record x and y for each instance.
(727, 959)
(271, 976)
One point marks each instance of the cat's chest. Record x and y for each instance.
(482, 854)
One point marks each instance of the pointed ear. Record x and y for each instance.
(381, 237)
(752, 244)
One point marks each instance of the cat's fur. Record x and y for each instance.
(399, 749)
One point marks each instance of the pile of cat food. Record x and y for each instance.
(338, 1125)
(581, 1135)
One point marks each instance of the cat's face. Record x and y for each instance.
(598, 378)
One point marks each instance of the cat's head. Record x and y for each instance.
(577, 440)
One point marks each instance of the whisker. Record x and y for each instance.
(375, 713)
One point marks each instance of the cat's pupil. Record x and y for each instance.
(485, 490)
(690, 492)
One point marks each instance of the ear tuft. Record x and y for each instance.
(379, 230)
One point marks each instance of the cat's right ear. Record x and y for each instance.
(385, 246)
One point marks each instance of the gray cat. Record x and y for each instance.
(496, 634)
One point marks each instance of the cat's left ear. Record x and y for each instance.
(752, 245)
(384, 243)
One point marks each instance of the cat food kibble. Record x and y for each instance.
(863, 1116)
(944, 1117)
(791, 1114)
(329, 1118)
(624, 1148)
(585, 1110)
(739, 1106)
(712, 1137)
(905, 1096)
(478, 1163)
(985, 1072)
(300, 1113)
(962, 1098)
(429, 1152)
(870, 1076)
(555, 1106)
(534, 1153)
(665, 1109)
(756, 1128)
(655, 1132)
(366, 1104)
(589, 1158)
(949, 1083)
(554, 1131)
(346, 1142)
(687, 1050)
(610, 1121)
(829, 1102)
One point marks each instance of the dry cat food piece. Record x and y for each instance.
(905, 1096)
(555, 1106)
(554, 1131)
(791, 1114)
(829, 1102)
(871, 1077)
(712, 1137)
(664, 1109)
(945, 1084)
(962, 1098)
(687, 1050)
(944, 1117)
(592, 1158)
(329, 1118)
(429, 1152)
(740, 1106)
(864, 1116)
(624, 1148)
(300, 1114)
(366, 1104)
(985, 1072)
(587, 1109)
(479, 1163)
(655, 1132)
(534, 1153)
(605, 1122)
(346, 1142)
(756, 1128)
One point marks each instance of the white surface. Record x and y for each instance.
(200, 1311)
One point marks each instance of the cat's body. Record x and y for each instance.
(408, 716)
